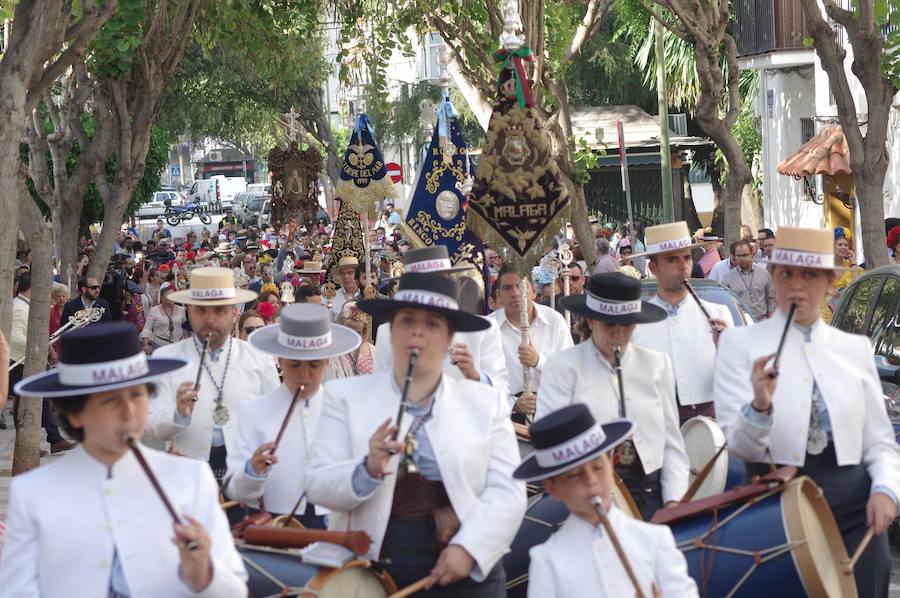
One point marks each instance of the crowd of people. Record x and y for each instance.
(226, 363)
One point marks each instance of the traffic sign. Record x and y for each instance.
(176, 170)
(395, 171)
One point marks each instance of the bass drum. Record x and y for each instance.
(782, 543)
(702, 440)
(275, 572)
(543, 517)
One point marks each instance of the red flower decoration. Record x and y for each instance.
(892, 237)
(266, 310)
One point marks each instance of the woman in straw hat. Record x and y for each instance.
(262, 471)
(362, 359)
(200, 423)
(654, 466)
(436, 495)
(819, 408)
(120, 539)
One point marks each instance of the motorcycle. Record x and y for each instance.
(175, 215)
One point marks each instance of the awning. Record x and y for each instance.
(826, 153)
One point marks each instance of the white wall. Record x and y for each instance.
(793, 96)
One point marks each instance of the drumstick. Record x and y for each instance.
(200, 367)
(849, 564)
(701, 477)
(601, 512)
(413, 356)
(284, 422)
(287, 520)
(411, 588)
(693, 294)
(192, 545)
(787, 326)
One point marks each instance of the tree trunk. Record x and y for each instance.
(870, 200)
(11, 131)
(751, 209)
(27, 453)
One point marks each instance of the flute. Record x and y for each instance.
(792, 311)
(192, 545)
(527, 373)
(284, 422)
(413, 356)
(200, 367)
(617, 353)
(693, 294)
(604, 520)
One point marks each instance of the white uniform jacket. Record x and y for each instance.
(579, 561)
(258, 422)
(686, 339)
(474, 445)
(843, 368)
(68, 518)
(251, 374)
(485, 346)
(582, 375)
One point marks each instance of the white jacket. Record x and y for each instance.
(485, 346)
(474, 444)
(67, 518)
(251, 374)
(687, 340)
(581, 375)
(258, 423)
(843, 368)
(579, 561)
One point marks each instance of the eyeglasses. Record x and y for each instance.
(574, 278)
(94, 287)
(250, 329)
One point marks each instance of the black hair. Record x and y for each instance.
(305, 291)
(736, 244)
(73, 405)
(25, 281)
(82, 282)
(508, 269)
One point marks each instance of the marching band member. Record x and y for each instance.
(547, 330)
(201, 424)
(447, 507)
(111, 536)
(654, 466)
(819, 408)
(686, 336)
(473, 355)
(572, 458)
(303, 341)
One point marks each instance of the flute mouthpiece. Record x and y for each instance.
(597, 502)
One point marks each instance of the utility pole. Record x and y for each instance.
(665, 154)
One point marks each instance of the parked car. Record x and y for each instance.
(242, 201)
(259, 188)
(252, 213)
(205, 192)
(155, 208)
(712, 291)
(264, 214)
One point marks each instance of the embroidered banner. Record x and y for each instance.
(364, 179)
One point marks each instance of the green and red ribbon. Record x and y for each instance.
(512, 60)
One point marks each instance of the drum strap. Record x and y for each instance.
(419, 499)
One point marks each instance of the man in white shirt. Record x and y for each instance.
(201, 423)
(721, 268)
(687, 336)
(345, 275)
(547, 333)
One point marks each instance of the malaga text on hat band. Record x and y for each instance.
(428, 265)
(426, 298)
(108, 372)
(304, 342)
(613, 308)
(669, 245)
(571, 450)
(213, 293)
(803, 259)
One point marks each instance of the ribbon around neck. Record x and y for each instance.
(446, 111)
(512, 60)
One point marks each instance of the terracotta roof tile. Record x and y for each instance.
(826, 153)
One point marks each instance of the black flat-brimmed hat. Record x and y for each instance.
(434, 259)
(431, 292)
(102, 356)
(568, 437)
(615, 298)
(304, 332)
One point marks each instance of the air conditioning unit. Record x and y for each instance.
(215, 156)
(678, 124)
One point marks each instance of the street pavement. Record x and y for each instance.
(7, 444)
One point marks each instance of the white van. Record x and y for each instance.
(229, 186)
(206, 192)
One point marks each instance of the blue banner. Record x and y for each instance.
(363, 180)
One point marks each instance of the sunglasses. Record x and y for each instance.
(250, 329)
(94, 287)
(574, 278)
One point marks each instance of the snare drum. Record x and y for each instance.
(275, 572)
(784, 542)
(702, 440)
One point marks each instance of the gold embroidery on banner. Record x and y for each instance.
(425, 224)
